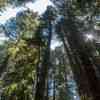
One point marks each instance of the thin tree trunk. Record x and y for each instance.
(3, 66)
(41, 84)
(54, 89)
(47, 89)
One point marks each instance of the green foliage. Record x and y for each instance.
(23, 57)
(27, 23)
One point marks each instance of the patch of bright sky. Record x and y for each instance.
(2, 38)
(39, 6)
(55, 43)
(9, 13)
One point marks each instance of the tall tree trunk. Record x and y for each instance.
(47, 89)
(41, 84)
(54, 88)
(77, 68)
(3, 66)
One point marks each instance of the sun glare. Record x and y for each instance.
(45, 2)
(89, 37)
(39, 6)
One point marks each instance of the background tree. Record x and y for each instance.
(60, 72)
(72, 34)
(41, 84)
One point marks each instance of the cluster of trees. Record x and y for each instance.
(31, 70)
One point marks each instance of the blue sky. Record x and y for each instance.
(39, 6)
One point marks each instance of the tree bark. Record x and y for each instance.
(89, 82)
(54, 89)
(41, 84)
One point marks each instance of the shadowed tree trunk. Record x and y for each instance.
(79, 73)
(54, 88)
(41, 84)
(89, 82)
(3, 66)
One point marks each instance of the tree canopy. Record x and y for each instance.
(32, 70)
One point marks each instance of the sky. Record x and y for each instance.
(38, 6)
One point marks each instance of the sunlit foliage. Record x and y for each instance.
(21, 70)
(23, 57)
(27, 23)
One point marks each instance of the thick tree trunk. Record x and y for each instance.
(77, 68)
(89, 83)
(94, 81)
